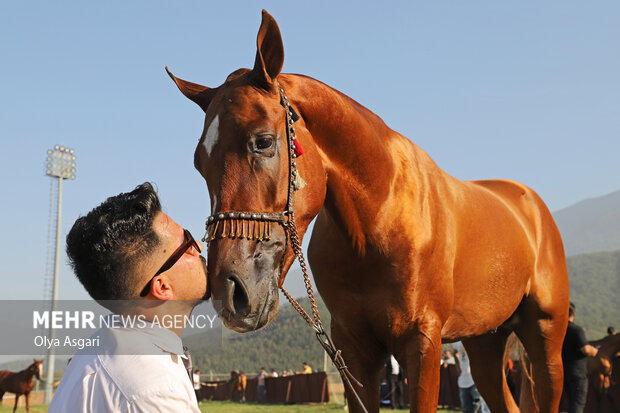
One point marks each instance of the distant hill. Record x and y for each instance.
(595, 290)
(591, 225)
(284, 345)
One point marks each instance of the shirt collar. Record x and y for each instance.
(146, 334)
(165, 339)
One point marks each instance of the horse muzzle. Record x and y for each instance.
(244, 277)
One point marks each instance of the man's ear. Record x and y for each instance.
(161, 288)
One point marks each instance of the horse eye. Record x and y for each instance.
(263, 143)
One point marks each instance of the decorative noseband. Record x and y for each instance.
(257, 225)
(243, 225)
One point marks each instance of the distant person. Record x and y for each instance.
(306, 368)
(394, 377)
(261, 390)
(471, 400)
(611, 331)
(575, 351)
(447, 359)
(196, 379)
(274, 373)
(234, 379)
(448, 392)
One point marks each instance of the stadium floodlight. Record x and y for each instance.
(60, 164)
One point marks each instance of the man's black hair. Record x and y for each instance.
(611, 330)
(105, 245)
(571, 309)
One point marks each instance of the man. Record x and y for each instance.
(394, 376)
(575, 351)
(128, 249)
(447, 359)
(196, 380)
(260, 385)
(448, 394)
(306, 368)
(471, 401)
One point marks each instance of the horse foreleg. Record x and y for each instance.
(27, 396)
(16, 399)
(486, 355)
(364, 358)
(421, 353)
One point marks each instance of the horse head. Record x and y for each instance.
(244, 156)
(36, 368)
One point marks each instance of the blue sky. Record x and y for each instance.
(522, 90)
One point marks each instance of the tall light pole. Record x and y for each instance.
(61, 165)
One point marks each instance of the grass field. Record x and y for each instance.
(230, 407)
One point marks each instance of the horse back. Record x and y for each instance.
(15, 382)
(533, 216)
(523, 202)
(4, 379)
(4, 374)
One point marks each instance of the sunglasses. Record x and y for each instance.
(187, 244)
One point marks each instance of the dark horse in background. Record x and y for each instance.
(600, 369)
(21, 382)
(404, 255)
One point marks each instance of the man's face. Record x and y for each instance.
(188, 276)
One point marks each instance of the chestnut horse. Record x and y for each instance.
(21, 382)
(404, 255)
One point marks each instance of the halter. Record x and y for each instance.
(253, 225)
(257, 225)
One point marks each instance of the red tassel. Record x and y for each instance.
(298, 149)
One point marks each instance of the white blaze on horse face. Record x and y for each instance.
(40, 367)
(213, 133)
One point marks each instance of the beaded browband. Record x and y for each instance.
(257, 225)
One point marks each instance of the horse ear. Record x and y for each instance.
(269, 51)
(199, 94)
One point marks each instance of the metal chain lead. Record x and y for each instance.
(314, 321)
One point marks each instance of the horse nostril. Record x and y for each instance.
(238, 297)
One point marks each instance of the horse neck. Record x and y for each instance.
(365, 161)
(610, 346)
(26, 375)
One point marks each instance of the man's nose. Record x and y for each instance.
(194, 251)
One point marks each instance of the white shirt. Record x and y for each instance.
(114, 380)
(196, 381)
(395, 366)
(465, 379)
